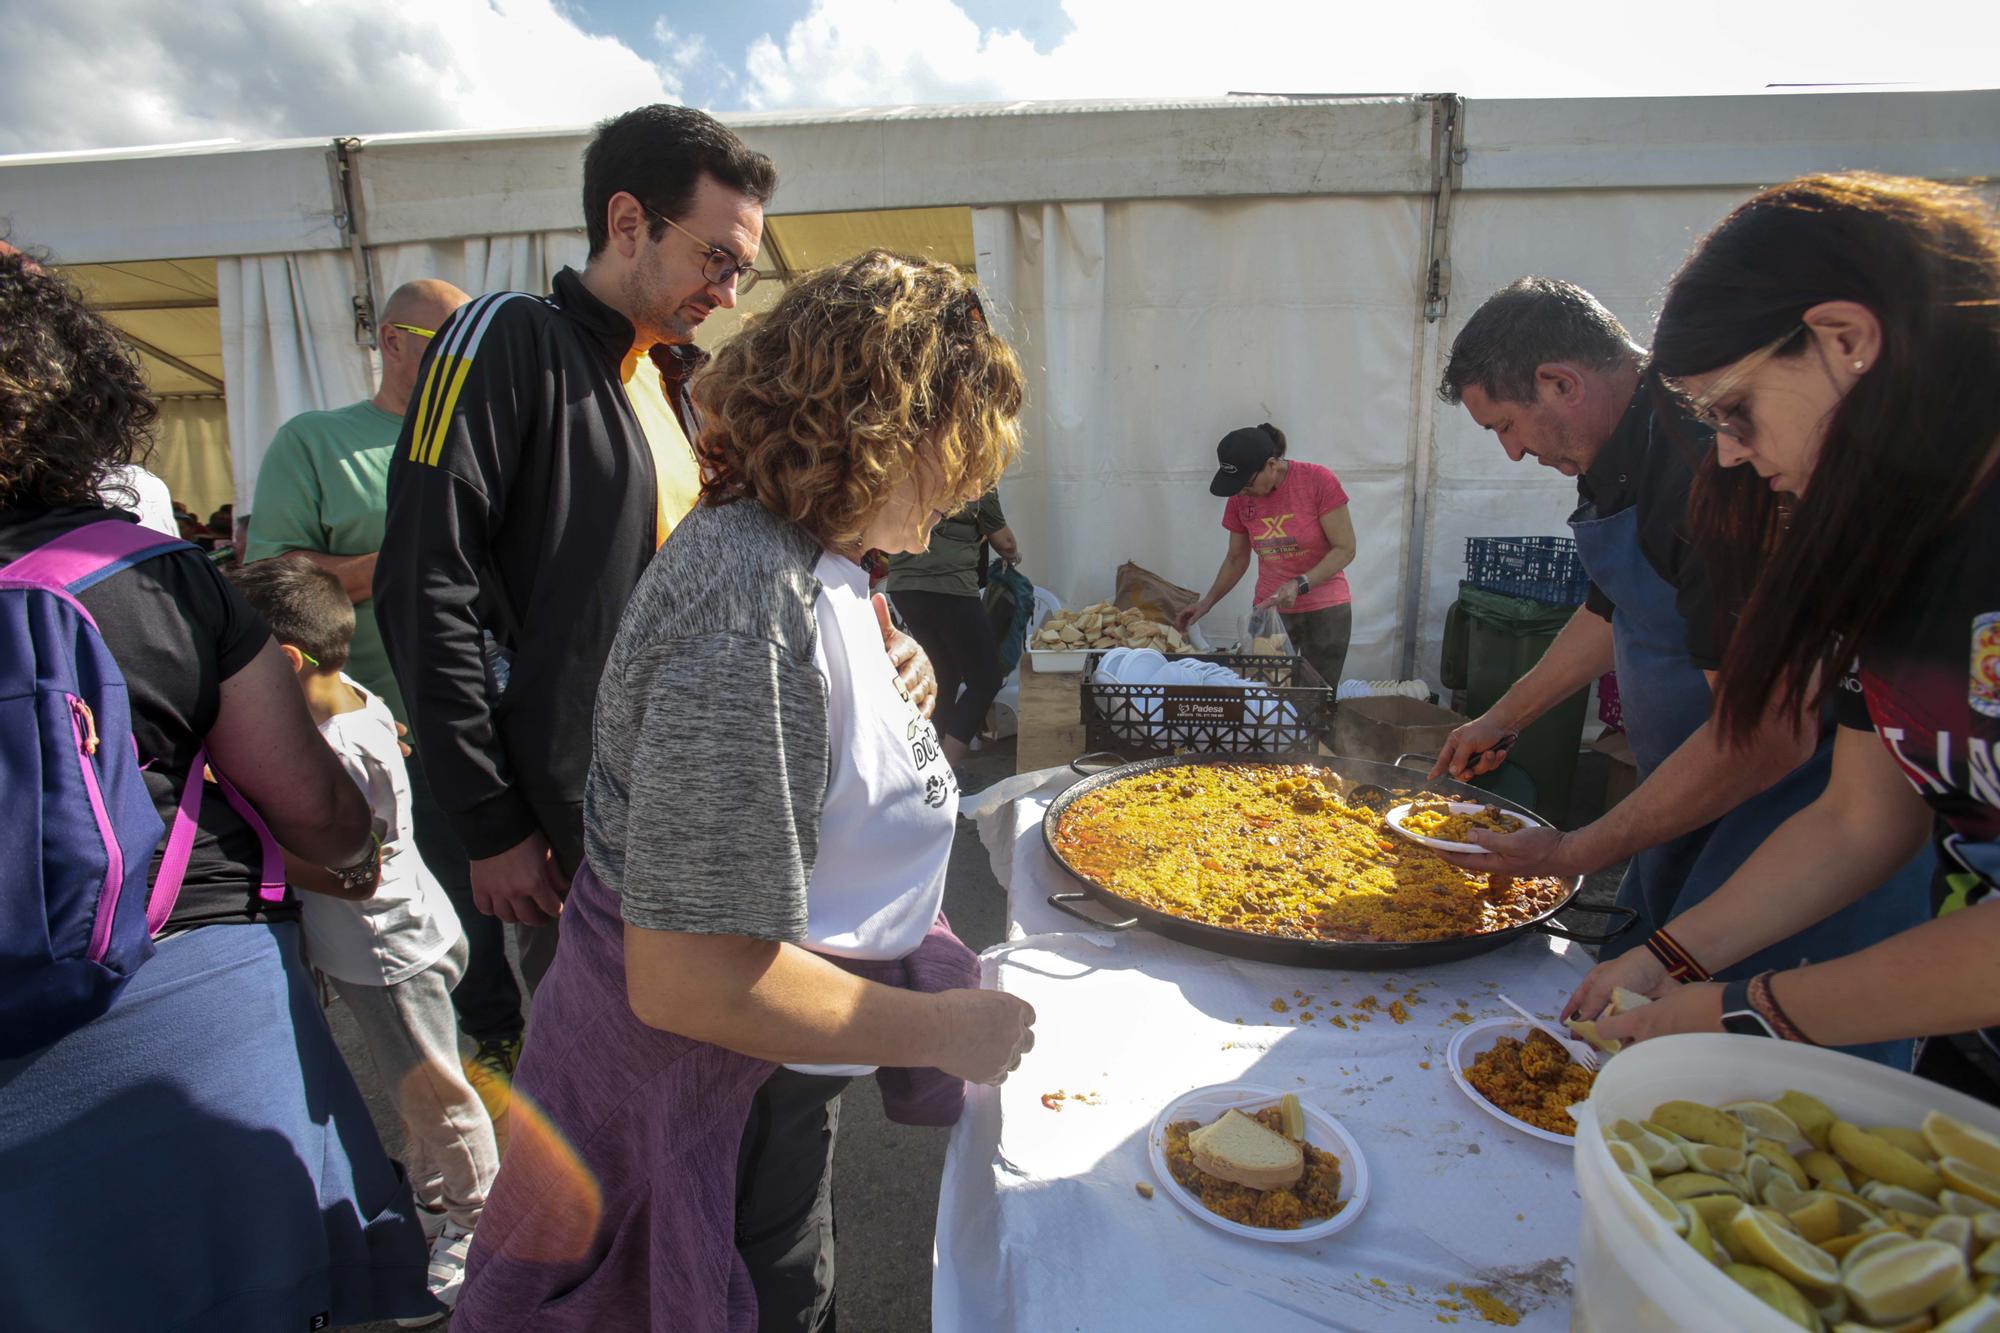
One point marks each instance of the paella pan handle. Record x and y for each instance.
(1626, 917)
(1115, 760)
(1061, 902)
(1412, 754)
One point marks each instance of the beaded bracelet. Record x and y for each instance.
(1765, 1001)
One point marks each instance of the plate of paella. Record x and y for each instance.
(1239, 1158)
(1443, 824)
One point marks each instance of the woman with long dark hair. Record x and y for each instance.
(1843, 334)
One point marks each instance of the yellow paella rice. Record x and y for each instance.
(1271, 848)
(1535, 1081)
(1437, 821)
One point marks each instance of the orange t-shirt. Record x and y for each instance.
(673, 459)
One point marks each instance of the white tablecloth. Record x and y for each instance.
(1040, 1226)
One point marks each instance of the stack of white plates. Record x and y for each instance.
(1373, 689)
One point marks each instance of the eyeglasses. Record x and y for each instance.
(411, 328)
(1703, 405)
(718, 266)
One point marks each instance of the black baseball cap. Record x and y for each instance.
(1242, 454)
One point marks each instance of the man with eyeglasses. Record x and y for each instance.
(545, 458)
(1556, 378)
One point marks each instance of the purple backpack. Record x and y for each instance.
(76, 915)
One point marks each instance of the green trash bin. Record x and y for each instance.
(1491, 640)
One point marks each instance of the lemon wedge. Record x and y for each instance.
(1711, 1158)
(1659, 1203)
(1765, 1121)
(1873, 1243)
(1697, 1233)
(1903, 1281)
(1982, 1316)
(1775, 1292)
(1952, 1230)
(1818, 1219)
(1627, 1158)
(1951, 1137)
(1786, 1253)
(1969, 1178)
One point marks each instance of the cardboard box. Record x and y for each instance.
(1380, 728)
(1624, 775)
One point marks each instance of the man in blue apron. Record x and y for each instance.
(1545, 367)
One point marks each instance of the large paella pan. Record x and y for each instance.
(1284, 858)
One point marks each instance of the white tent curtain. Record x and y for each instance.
(1622, 246)
(192, 453)
(1151, 328)
(524, 262)
(287, 347)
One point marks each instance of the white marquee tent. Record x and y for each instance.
(1169, 271)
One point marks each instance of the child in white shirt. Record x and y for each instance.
(394, 957)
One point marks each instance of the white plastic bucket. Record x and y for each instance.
(1633, 1274)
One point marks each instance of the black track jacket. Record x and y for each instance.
(522, 503)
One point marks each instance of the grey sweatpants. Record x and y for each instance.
(412, 1034)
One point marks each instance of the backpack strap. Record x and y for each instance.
(88, 555)
(180, 843)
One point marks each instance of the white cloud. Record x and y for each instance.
(98, 73)
(101, 73)
(858, 52)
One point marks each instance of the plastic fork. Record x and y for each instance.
(1578, 1051)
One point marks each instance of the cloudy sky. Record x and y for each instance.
(114, 73)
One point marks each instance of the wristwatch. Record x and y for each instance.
(1740, 1016)
(1305, 585)
(363, 874)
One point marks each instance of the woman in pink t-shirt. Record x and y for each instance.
(1294, 516)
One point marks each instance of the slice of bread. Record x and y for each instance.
(1622, 1001)
(1239, 1149)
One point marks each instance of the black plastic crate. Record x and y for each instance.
(1294, 714)
(1542, 569)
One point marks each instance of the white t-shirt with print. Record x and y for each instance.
(408, 924)
(886, 827)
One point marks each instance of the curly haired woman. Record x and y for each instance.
(204, 1125)
(768, 821)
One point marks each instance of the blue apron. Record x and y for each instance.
(1666, 699)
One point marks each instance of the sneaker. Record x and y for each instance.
(491, 1073)
(448, 1253)
(431, 1220)
(449, 1249)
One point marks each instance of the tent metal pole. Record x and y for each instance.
(1447, 156)
(169, 359)
(351, 218)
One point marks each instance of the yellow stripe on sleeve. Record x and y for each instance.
(441, 423)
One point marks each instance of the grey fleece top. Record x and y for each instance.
(709, 758)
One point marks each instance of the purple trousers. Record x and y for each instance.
(615, 1204)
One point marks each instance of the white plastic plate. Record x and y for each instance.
(1475, 1039)
(1394, 819)
(1322, 1131)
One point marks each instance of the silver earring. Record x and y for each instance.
(1861, 365)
